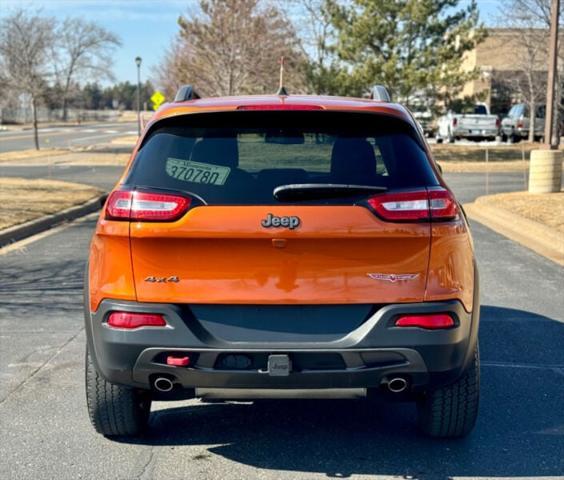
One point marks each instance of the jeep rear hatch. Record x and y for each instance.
(221, 234)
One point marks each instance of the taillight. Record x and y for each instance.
(454, 122)
(434, 203)
(497, 123)
(145, 206)
(403, 206)
(131, 320)
(520, 124)
(431, 322)
(442, 205)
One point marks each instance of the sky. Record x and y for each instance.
(145, 27)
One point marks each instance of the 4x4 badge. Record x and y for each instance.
(171, 279)
(274, 221)
(393, 277)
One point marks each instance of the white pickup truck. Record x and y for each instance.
(476, 124)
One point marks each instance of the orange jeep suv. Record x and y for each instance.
(281, 246)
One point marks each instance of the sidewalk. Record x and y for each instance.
(536, 221)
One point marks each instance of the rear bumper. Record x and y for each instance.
(510, 130)
(475, 132)
(364, 358)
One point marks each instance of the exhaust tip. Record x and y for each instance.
(163, 384)
(397, 385)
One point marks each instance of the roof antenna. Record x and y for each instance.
(282, 89)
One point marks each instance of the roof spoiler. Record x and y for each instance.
(379, 92)
(185, 93)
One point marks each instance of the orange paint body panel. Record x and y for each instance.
(110, 273)
(451, 266)
(222, 255)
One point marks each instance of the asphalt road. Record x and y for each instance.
(65, 137)
(46, 432)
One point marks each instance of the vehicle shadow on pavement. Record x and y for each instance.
(520, 431)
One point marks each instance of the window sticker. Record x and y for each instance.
(197, 172)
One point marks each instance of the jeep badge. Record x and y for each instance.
(284, 222)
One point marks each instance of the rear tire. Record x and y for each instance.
(115, 410)
(451, 411)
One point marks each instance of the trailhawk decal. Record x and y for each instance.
(393, 277)
(286, 222)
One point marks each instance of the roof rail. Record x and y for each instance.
(185, 93)
(379, 92)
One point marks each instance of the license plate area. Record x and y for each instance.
(279, 365)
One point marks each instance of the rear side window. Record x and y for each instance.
(239, 158)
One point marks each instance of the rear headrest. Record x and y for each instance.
(219, 151)
(353, 161)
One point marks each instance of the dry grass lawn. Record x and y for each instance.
(126, 140)
(445, 152)
(545, 208)
(478, 167)
(96, 158)
(72, 158)
(22, 199)
(31, 154)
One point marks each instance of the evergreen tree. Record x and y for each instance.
(413, 47)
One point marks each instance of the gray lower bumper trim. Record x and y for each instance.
(278, 393)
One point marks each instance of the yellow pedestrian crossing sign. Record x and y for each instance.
(157, 98)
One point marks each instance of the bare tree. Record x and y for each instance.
(531, 21)
(313, 23)
(26, 41)
(83, 50)
(232, 47)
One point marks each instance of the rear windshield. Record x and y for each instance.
(239, 158)
(517, 111)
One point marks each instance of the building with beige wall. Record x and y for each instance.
(502, 58)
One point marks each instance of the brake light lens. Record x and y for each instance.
(454, 122)
(131, 320)
(280, 106)
(403, 206)
(145, 206)
(497, 123)
(429, 322)
(435, 203)
(442, 205)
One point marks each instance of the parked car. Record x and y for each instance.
(515, 126)
(426, 122)
(476, 124)
(281, 247)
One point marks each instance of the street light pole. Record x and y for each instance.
(552, 65)
(138, 63)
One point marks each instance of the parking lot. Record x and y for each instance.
(46, 432)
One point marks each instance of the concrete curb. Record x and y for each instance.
(33, 227)
(533, 235)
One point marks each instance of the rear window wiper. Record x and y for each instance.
(311, 191)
